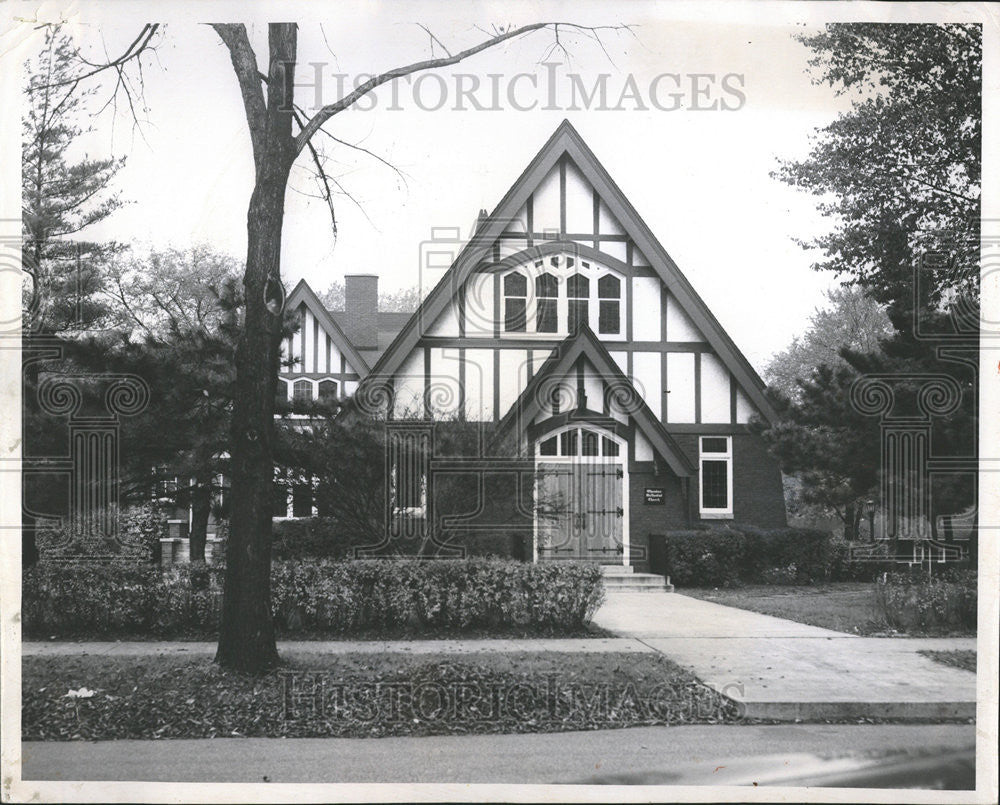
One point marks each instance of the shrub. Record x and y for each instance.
(845, 568)
(743, 554)
(138, 540)
(913, 602)
(61, 599)
(334, 597)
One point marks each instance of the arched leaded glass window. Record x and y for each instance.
(609, 292)
(546, 303)
(302, 391)
(515, 299)
(578, 295)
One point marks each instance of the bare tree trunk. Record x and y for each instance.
(851, 523)
(201, 505)
(246, 633)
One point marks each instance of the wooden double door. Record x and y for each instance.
(579, 508)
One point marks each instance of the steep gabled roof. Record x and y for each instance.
(565, 140)
(302, 293)
(388, 324)
(562, 360)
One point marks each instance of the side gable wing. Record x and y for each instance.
(303, 294)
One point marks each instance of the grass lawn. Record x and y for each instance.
(960, 658)
(843, 607)
(359, 695)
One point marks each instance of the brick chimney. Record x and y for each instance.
(361, 309)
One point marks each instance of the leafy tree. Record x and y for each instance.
(899, 177)
(852, 320)
(177, 314)
(899, 173)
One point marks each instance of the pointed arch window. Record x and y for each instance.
(609, 292)
(546, 302)
(578, 296)
(515, 299)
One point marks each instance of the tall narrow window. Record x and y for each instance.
(302, 391)
(578, 294)
(609, 291)
(716, 477)
(281, 394)
(546, 293)
(515, 298)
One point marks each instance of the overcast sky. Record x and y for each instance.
(699, 177)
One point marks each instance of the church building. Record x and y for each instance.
(606, 402)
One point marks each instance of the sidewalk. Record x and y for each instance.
(777, 668)
(785, 670)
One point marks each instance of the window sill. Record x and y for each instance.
(716, 515)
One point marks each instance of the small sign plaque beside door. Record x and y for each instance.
(654, 496)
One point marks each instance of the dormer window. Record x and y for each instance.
(515, 301)
(578, 295)
(609, 292)
(546, 304)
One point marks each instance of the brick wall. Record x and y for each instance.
(758, 497)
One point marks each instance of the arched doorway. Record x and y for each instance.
(581, 495)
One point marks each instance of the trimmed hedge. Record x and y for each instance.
(913, 602)
(743, 555)
(336, 598)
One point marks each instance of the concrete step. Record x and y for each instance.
(636, 582)
(617, 570)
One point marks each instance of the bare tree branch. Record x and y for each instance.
(321, 177)
(136, 48)
(351, 98)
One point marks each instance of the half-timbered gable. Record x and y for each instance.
(319, 361)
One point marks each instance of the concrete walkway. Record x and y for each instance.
(776, 668)
(785, 670)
